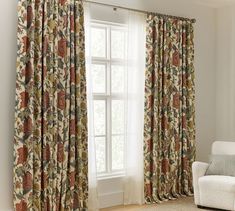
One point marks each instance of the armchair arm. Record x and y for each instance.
(199, 170)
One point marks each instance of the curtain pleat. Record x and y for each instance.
(50, 143)
(169, 130)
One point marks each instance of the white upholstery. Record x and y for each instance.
(214, 191)
(217, 183)
(223, 147)
(199, 170)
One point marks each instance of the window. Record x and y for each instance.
(108, 51)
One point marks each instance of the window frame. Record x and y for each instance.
(108, 96)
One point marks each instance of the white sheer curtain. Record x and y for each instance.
(93, 204)
(134, 179)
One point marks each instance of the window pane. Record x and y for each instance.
(118, 78)
(118, 116)
(100, 154)
(98, 77)
(118, 44)
(117, 152)
(99, 117)
(98, 42)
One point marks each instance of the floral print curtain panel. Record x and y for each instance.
(169, 130)
(50, 143)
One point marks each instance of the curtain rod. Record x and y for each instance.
(115, 7)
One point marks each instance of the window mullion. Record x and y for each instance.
(109, 135)
(109, 106)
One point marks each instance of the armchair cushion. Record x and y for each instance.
(221, 165)
(217, 183)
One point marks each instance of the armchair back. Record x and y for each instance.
(223, 147)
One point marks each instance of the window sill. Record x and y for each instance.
(110, 176)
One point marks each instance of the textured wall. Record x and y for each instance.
(225, 75)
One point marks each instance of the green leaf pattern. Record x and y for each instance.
(50, 142)
(169, 130)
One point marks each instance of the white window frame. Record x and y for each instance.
(109, 96)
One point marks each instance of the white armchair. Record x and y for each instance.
(214, 191)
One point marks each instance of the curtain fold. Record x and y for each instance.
(50, 142)
(169, 130)
(134, 178)
(93, 202)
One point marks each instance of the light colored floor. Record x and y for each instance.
(183, 204)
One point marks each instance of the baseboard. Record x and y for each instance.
(111, 199)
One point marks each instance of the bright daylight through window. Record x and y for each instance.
(108, 50)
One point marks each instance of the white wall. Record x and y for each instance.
(205, 77)
(8, 21)
(225, 77)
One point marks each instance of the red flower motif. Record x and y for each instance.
(29, 16)
(60, 152)
(150, 101)
(177, 143)
(61, 100)
(72, 22)
(65, 17)
(72, 74)
(62, 47)
(184, 80)
(75, 201)
(44, 180)
(37, 2)
(164, 122)
(175, 22)
(152, 167)
(22, 155)
(176, 100)
(26, 43)
(184, 38)
(165, 101)
(48, 204)
(176, 58)
(28, 126)
(165, 166)
(27, 182)
(24, 96)
(45, 126)
(22, 206)
(148, 189)
(46, 100)
(62, 2)
(184, 122)
(72, 178)
(58, 202)
(46, 153)
(72, 127)
(185, 163)
(150, 144)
